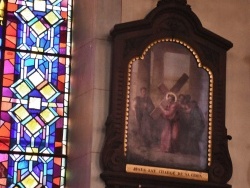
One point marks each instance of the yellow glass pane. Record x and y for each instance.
(21, 113)
(31, 157)
(52, 105)
(23, 89)
(47, 91)
(27, 14)
(31, 150)
(47, 115)
(37, 49)
(36, 56)
(2, 5)
(33, 126)
(30, 181)
(38, 27)
(52, 18)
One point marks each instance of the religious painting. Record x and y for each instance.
(168, 109)
(166, 121)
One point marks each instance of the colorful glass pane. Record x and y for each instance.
(3, 169)
(36, 101)
(34, 171)
(44, 24)
(35, 92)
(2, 5)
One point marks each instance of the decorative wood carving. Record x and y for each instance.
(173, 22)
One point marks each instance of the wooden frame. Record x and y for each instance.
(168, 54)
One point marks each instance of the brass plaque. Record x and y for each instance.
(185, 174)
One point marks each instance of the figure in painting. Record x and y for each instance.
(143, 106)
(196, 122)
(169, 135)
(184, 125)
(192, 125)
(184, 130)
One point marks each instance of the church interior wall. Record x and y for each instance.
(89, 101)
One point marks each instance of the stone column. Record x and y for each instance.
(90, 75)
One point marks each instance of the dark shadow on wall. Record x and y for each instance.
(248, 175)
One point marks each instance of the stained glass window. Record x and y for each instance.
(35, 46)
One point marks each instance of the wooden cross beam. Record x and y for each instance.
(164, 90)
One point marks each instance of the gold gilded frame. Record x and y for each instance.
(168, 171)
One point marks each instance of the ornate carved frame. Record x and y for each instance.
(173, 21)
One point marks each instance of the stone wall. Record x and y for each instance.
(93, 20)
